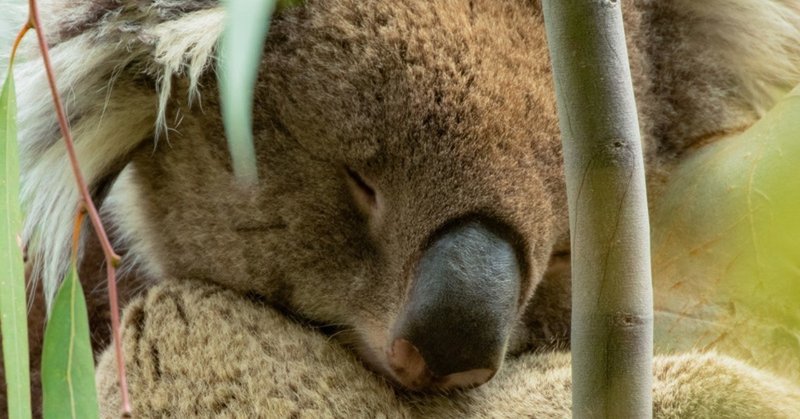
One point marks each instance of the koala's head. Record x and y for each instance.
(410, 182)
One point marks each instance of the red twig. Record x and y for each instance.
(76, 234)
(112, 259)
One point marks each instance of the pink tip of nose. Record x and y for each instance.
(412, 372)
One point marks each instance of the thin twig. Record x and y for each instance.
(112, 259)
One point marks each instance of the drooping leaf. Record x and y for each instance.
(726, 246)
(13, 320)
(68, 384)
(241, 45)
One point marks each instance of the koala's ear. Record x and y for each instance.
(114, 67)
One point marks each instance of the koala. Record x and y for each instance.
(411, 193)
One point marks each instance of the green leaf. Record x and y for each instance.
(13, 321)
(68, 384)
(726, 246)
(241, 48)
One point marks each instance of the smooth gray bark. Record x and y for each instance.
(612, 301)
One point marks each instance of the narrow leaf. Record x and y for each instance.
(13, 321)
(240, 58)
(67, 365)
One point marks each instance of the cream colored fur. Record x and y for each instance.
(197, 350)
(127, 219)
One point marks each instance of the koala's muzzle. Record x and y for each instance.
(454, 329)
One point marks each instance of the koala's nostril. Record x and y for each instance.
(408, 365)
(412, 371)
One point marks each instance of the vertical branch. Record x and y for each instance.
(612, 302)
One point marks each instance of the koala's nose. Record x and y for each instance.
(455, 327)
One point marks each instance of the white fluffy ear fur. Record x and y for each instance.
(111, 114)
(108, 111)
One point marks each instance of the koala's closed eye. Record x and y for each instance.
(365, 195)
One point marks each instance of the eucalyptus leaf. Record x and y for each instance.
(246, 27)
(68, 384)
(13, 321)
(726, 246)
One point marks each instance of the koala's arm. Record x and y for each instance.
(196, 350)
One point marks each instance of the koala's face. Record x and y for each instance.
(410, 182)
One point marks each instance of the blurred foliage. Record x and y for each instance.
(239, 63)
(726, 246)
(239, 60)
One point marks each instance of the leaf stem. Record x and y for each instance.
(17, 41)
(112, 259)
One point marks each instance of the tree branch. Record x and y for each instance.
(612, 298)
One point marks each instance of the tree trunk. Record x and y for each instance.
(612, 298)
